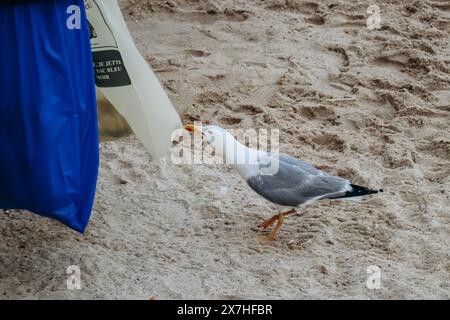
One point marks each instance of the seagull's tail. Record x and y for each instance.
(357, 191)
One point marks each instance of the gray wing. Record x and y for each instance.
(301, 164)
(296, 182)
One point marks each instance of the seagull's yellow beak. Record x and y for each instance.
(193, 129)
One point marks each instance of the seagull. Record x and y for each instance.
(294, 184)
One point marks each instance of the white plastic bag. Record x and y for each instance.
(126, 80)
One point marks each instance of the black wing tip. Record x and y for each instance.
(357, 191)
(361, 191)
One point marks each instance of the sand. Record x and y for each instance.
(369, 105)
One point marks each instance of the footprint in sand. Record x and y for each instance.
(249, 109)
(230, 120)
(330, 141)
(197, 53)
(316, 20)
(318, 112)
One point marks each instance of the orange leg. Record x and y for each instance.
(279, 218)
(272, 220)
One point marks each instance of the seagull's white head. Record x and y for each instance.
(218, 138)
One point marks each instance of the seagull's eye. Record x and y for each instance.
(211, 139)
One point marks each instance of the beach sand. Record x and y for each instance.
(369, 105)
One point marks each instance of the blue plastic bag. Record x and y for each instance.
(48, 119)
